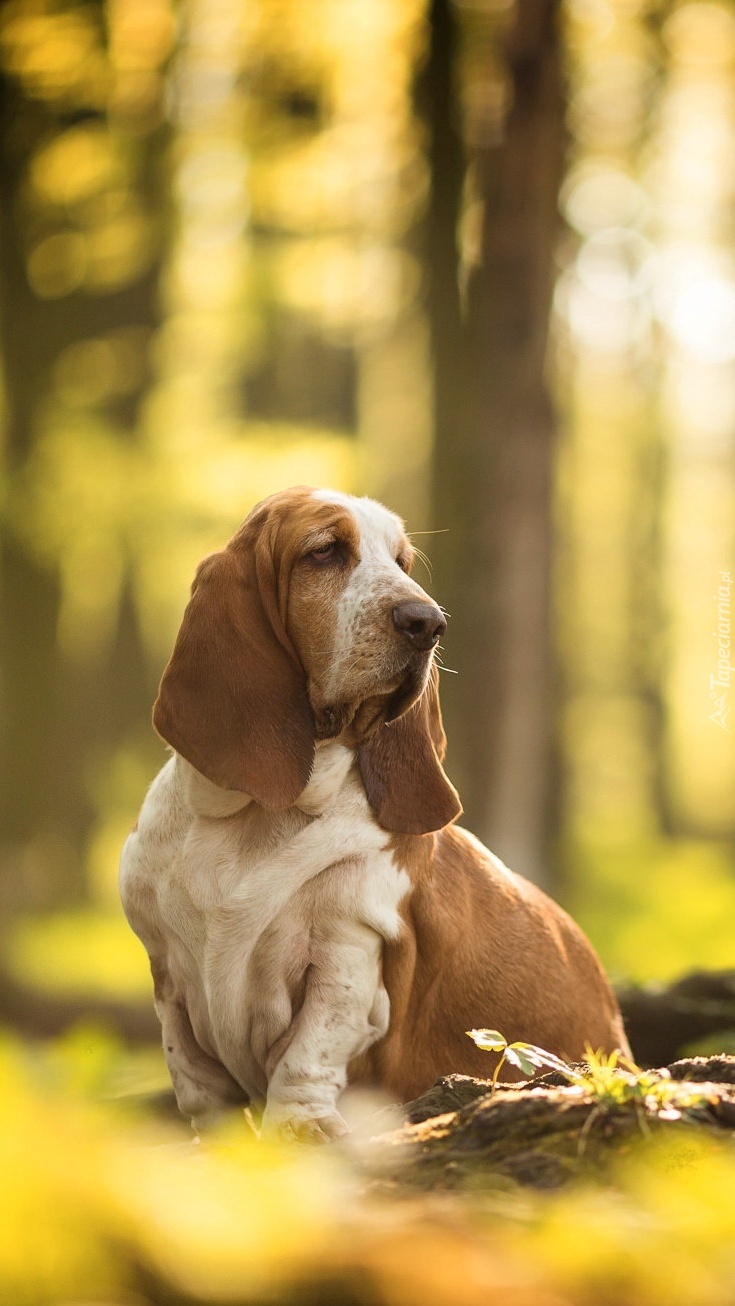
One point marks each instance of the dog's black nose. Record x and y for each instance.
(422, 623)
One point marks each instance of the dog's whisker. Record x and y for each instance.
(426, 561)
(343, 670)
(440, 664)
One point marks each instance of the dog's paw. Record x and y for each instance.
(300, 1127)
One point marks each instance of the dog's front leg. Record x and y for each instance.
(345, 1009)
(204, 1089)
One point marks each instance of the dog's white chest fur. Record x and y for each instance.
(265, 932)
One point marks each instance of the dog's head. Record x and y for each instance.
(308, 626)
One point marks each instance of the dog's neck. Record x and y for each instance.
(332, 764)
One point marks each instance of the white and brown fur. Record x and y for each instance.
(312, 915)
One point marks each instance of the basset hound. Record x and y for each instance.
(313, 916)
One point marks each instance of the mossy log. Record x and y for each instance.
(460, 1134)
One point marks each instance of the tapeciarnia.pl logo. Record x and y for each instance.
(719, 682)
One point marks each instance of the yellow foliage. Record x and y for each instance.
(52, 53)
(57, 264)
(93, 501)
(80, 951)
(76, 164)
(93, 1194)
(663, 1235)
(99, 1204)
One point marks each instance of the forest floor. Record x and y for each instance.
(608, 1184)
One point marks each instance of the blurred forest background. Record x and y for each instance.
(473, 258)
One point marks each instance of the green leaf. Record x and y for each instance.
(490, 1040)
(524, 1057)
(553, 1062)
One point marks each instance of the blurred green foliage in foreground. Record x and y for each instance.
(100, 1203)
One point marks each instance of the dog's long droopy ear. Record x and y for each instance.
(401, 769)
(233, 698)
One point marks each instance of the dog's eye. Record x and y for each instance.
(403, 562)
(326, 552)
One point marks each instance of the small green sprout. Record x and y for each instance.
(610, 1079)
(526, 1057)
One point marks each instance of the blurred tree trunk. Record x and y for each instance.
(53, 716)
(29, 593)
(495, 436)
